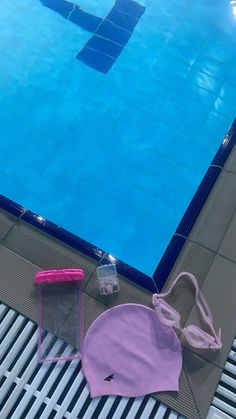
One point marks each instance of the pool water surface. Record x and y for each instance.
(114, 157)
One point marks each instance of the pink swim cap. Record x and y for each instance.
(129, 352)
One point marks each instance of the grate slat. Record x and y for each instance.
(22, 382)
(231, 368)
(173, 415)
(3, 310)
(148, 408)
(21, 361)
(67, 400)
(81, 400)
(42, 394)
(6, 322)
(89, 412)
(135, 406)
(31, 388)
(12, 353)
(120, 409)
(11, 334)
(226, 393)
(161, 412)
(92, 407)
(224, 406)
(61, 385)
(107, 407)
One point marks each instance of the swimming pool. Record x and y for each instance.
(114, 157)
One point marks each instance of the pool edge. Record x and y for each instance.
(176, 243)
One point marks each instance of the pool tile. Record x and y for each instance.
(228, 93)
(144, 262)
(7, 221)
(144, 180)
(211, 227)
(198, 94)
(124, 218)
(210, 66)
(181, 50)
(196, 259)
(215, 49)
(92, 310)
(204, 81)
(14, 190)
(104, 46)
(140, 199)
(188, 113)
(11, 207)
(48, 124)
(202, 377)
(99, 216)
(231, 78)
(219, 284)
(123, 20)
(146, 237)
(104, 235)
(116, 27)
(131, 7)
(225, 148)
(227, 247)
(29, 243)
(231, 162)
(215, 127)
(168, 55)
(184, 401)
(37, 155)
(62, 7)
(220, 122)
(200, 145)
(14, 266)
(85, 20)
(96, 59)
(196, 204)
(221, 107)
(168, 260)
(109, 31)
(183, 32)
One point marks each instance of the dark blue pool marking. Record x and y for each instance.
(74, 14)
(102, 50)
(176, 244)
(111, 34)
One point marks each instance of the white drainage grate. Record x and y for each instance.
(59, 390)
(54, 390)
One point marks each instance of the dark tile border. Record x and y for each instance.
(168, 260)
(87, 248)
(11, 206)
(191, 214)
(226, 146)
(176, 244)
(197, 203)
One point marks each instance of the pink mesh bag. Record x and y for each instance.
(60, 314)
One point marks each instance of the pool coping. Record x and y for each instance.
(176, 243)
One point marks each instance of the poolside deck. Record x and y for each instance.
(209, 253)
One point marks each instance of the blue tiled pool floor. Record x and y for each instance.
(115, 158)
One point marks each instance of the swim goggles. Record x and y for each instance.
(195, 336)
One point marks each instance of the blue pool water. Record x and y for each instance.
(115, 158)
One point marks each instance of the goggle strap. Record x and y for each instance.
(201, 302)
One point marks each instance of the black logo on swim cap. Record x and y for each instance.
(109, 378)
